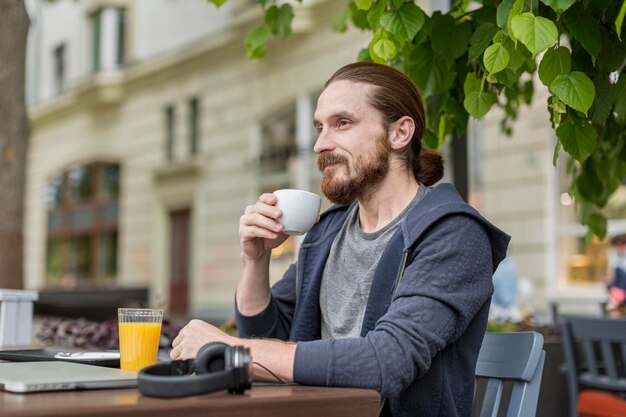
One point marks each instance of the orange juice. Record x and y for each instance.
(139, 345)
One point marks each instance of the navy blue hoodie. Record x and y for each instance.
(425, 317)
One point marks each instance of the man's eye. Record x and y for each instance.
(342, 123)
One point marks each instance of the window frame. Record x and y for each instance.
(99, 226)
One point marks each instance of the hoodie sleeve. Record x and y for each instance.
(446, 283)
(275, 321)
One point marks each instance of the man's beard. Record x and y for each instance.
(357, 182)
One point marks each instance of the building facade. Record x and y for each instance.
(151, 132)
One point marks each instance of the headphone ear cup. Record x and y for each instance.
(211, 358)
(237, 360)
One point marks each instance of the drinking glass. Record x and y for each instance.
(140, 331)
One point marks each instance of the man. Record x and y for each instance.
(392, 286)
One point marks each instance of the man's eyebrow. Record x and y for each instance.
(341, 114)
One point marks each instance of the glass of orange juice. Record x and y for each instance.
(140, 331)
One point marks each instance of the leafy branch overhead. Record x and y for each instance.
(485, 54)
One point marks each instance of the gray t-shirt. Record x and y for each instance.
(349, 271)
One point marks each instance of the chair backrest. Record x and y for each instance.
(510, 358)
(594, 349)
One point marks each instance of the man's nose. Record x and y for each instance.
(323, 142)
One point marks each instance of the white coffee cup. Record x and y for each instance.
(300, 209)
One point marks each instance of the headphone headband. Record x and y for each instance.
(217, 366)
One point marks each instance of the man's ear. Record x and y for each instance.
(401, 132)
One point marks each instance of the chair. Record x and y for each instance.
(595, 365)
(514, 359)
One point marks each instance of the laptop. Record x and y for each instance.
(57, 375)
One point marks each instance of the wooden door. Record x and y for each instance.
(179, 261)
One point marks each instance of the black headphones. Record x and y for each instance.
(217, 366)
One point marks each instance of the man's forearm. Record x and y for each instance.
(275, 355)
(253, 290)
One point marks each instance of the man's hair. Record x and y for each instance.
(394, 95)
(618, 240)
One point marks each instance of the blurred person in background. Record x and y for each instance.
(506, 295)
(616, 277)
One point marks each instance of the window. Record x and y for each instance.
(582, 264)
(194, 125)
(83, 226)
(121, 37)
(170, 121)
(96, 41)
(59, 67)
(108, 38)
(275, 165)
(279, 144)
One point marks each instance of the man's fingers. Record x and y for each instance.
(250, 223)
(177, 340)
(252, 232)
(175, 353)
(268, 198)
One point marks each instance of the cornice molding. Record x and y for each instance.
(108, 88)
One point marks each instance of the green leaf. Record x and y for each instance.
(375, 13)
(423, 34)
(575, 89)
(481, 39)
(618, 98)
(559, 6)
(503, 13)
(516, 10)
(611, 56)
(601, 108)
(598, 224)
(404, 22)
(435, 105)
(620, 20)
(448, 38)
(429, 71)
(471, 84)
(554, 63)
(385, 48)
(486, 14)
(508, 78)
(457, 115)
(478, 103)
(585, 29)
(257, 37)
(496, 58)
(579, 139)
(431, 140)
(340, 22)
(363, 4)
(441, 127)
(589, 186)
(535, 32)
(256, 54)
(279, 20)
(217, 3)
(555, 155)
(364, 55)
(359, 17)
(517, 51)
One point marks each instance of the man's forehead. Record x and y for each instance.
(344, 97)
